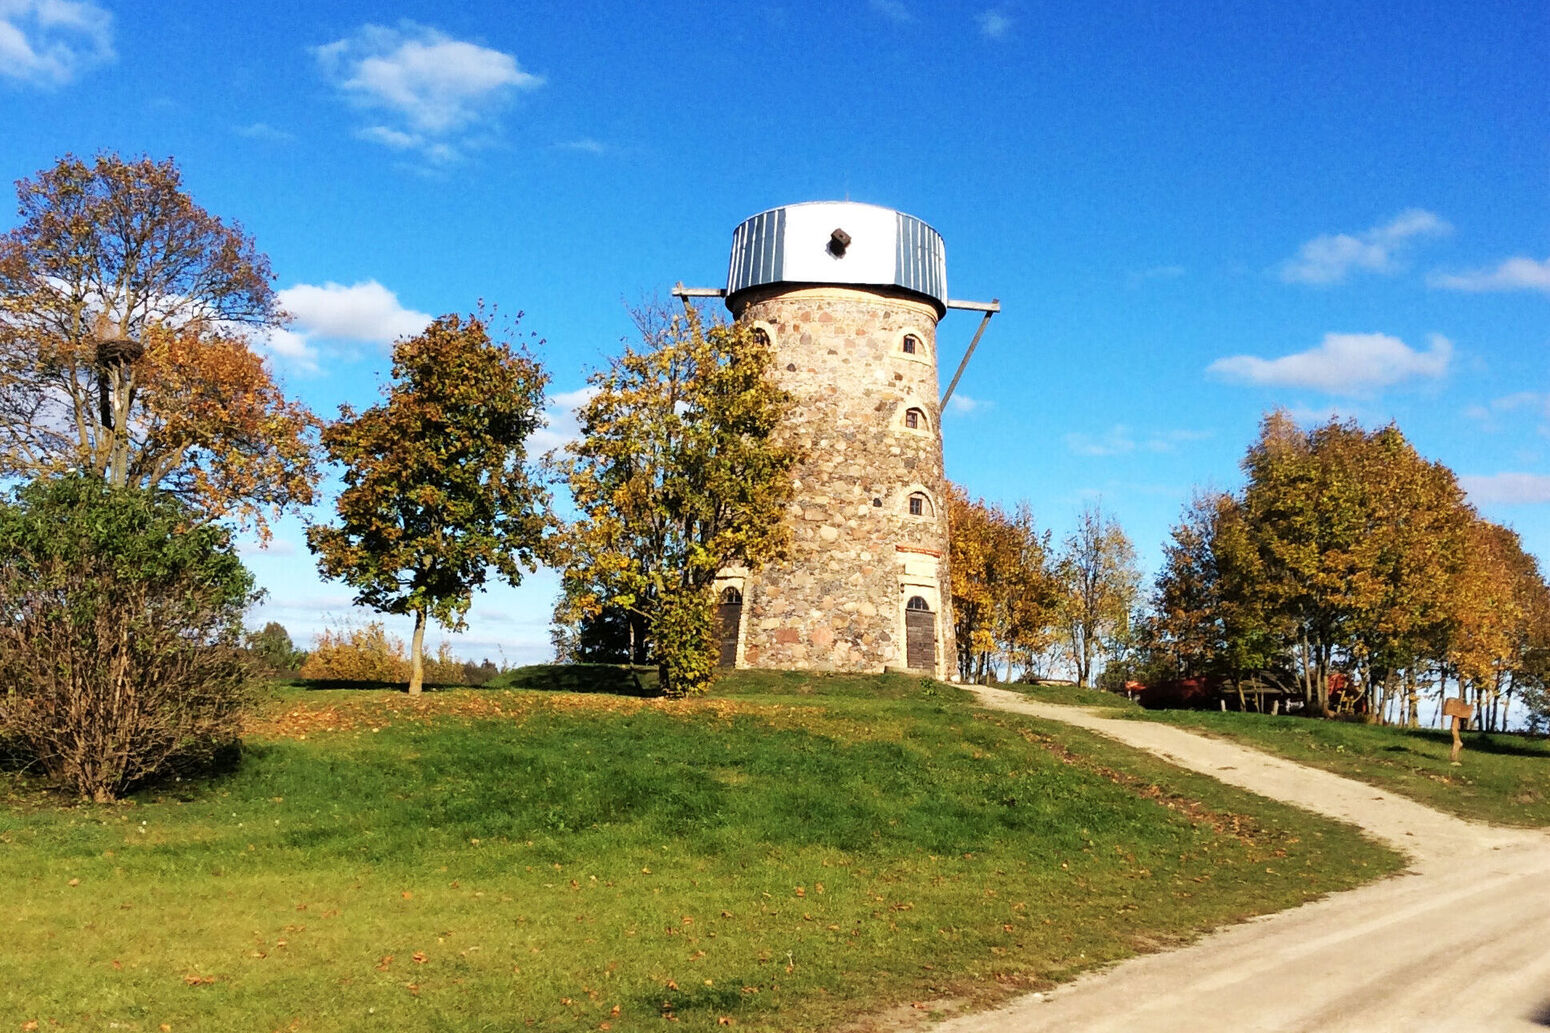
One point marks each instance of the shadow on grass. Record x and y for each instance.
(613, 679)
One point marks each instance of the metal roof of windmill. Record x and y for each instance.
(838, 242)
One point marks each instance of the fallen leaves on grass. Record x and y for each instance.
(376, 711)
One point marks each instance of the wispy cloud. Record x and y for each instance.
(585, 145)
(994, 23)
(963, 404)
(1342, 364)
(263, 131)
(1513, 408)
(273, 547)
(561, 426)
(435, 93)
(1332, 257)
(893, 10)
(364, 312)
(1121, 440)
(1513, 274)
(1507, 488)
(49, 43)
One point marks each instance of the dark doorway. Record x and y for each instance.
(729, 615)
(919, 635)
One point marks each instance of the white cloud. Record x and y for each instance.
(363, 312)
(263, 131)
(561, 427)
(1120, 440)
(1115, 441)
(1507, 488)
(1516, 409)
(1513, 274)
(49, 43)
(1329, 258)
(963, 405)
(1342, 364)
(399, 141)
(893, 10)
(435, 91)
(585, 145)
(993, 24)
(273, 547)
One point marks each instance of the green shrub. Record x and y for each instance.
(120, 633)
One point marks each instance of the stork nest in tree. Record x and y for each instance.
(113, 351)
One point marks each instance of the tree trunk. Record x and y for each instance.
(417, 654)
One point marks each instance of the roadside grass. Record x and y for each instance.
(1503, 779)
(1071, 695)
(795, 853)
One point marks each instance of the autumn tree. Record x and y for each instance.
(1099, 582)
(1500, 607)
(437, 487)
(1350, 562)
(679, 472)
(126, 318)
(1003, 590)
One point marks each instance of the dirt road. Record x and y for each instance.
(1460, 943)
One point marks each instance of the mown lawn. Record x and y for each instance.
(793, 854)
(1071, 695)
(1503, 779)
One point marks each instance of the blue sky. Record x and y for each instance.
(1191, 213)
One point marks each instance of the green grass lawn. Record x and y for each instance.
(1071, 695)
(1503, 779)
(791, 854)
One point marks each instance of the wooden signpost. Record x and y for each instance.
(1460, 712)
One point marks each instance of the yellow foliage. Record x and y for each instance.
(365, 653)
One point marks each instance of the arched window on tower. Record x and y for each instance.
(919, 505)
(911, 344)
(914, 419)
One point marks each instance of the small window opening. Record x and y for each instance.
(914, 419)
(917, 504)
(918, 603)
(731, 595)
(911, 344)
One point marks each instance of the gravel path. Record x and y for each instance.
(1460, 942)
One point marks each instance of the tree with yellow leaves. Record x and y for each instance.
(680, 472)
(1004, 594)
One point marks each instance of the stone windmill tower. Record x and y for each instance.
(849, 296)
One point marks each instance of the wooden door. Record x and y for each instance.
(729, 615)
(919, 635)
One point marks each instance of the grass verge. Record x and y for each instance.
(1503, 779)
(795, 854)
(1071, 695)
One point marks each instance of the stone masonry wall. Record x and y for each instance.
(857, 554)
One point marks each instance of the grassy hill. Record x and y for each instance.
(793, 853)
